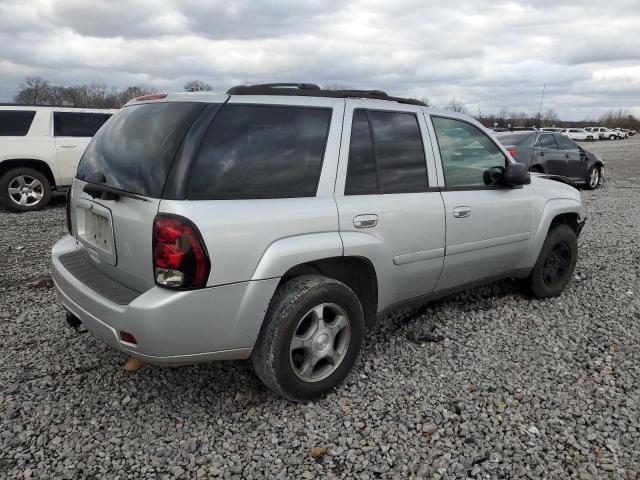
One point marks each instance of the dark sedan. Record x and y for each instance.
(554, 154)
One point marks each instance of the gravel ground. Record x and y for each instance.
(501, 386)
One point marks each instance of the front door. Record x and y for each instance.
(488, 225)
(547, 154)
(576, 166)
(389, 206)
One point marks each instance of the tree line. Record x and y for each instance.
(39, 91)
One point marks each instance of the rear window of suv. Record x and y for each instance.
(261, 151)
(135, 148)
(15, 123)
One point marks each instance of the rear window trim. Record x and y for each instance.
(257, 196)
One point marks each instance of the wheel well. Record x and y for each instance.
(570, 219)
(537, 168)
(39, 165)
(355, 272)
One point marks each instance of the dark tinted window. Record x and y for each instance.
(261, 152)
(76, 124)
(565, 144)
(361, 171)
(466, 153)
(400, 153)
(523, 139)
(135, 148)
(15, 123)
(546, 141)
(393, 162)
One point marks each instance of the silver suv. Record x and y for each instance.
(277, 222)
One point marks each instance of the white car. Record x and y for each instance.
(40, 148)
(579, 134)
(604, 133)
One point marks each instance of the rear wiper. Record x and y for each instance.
(105, 192)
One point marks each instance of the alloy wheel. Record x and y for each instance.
(25, 190)
(320, 342)
(594, 178)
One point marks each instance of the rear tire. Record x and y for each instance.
(556, 263)
(24, 189)
(594, 177)
(589, 138)
(612, 137)
(310, 338)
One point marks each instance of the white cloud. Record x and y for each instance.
(490, 54)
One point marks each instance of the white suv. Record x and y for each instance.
(40, 148)
(278, 222)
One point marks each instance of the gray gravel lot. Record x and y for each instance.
(514, 388)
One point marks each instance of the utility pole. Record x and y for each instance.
(544, 87)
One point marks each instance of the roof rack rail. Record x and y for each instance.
(313, 90)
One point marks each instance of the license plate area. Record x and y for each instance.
(95, 230)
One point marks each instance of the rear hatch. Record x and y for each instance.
(120, 180)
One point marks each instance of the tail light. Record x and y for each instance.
(513, 152)
(180, 259)
(67, 211)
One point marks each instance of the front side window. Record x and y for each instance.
(468, 155)
(565, 144)
(261, 151)
(547, 141)
(15, 123)
(77, 124)
(392, 161)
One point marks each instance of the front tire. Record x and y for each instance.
(24, 189)
(594, 177)
(612, 137)
(556, 263)
(310, 338)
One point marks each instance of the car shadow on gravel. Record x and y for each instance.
(57, 201)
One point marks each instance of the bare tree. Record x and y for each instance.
(197, 86)
(549, 118)
(33, 91)
(456, 105)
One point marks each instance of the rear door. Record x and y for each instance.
(133, 153)
(576, 161)
(488, 226)
(73, 132)
(547, 154)
(390, 209)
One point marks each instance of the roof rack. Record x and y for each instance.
(313, 90)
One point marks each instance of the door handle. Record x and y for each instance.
(67, 146)
(566, 155)
(365, 221)
(541, 154)
(462, 212)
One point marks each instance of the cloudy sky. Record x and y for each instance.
(489, 54)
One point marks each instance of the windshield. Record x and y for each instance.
(135, 148)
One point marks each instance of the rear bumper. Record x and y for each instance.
(171, 327)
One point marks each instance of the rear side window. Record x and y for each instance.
(565, 144)
(15, 123)
(135, 149)
(468, 155)
(392, 161)
(76, 124)
(547, 141)
(253, 151)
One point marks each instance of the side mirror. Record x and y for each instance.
(516, 174)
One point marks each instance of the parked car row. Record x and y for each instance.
(588, 134)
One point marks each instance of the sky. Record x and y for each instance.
(488, 54)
